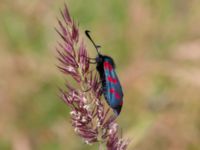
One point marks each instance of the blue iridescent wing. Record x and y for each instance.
(113, 90)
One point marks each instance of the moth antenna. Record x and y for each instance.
(89, 37)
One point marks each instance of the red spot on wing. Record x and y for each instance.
(111, 79)
(117, 96)
(107, 65)
(112, 90)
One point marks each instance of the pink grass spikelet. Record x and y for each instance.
(90, 116)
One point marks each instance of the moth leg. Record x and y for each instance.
(87, 89)
(92, 62)
(88, 57)
(91, 87)
(91, 58)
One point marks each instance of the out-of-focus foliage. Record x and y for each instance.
(156, 46)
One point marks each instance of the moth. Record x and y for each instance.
(112, 89)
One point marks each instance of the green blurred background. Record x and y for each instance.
(156, 46)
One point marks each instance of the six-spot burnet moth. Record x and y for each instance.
(112, 89)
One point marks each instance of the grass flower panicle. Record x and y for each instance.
(89, 116)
